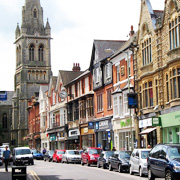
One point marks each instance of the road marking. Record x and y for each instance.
(34, 175)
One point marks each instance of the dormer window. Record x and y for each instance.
(35, 13)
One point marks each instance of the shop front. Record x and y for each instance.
(73, 139)
(44, 141)
(53, 141)
(123, 133)
(171, 127)
(87, 135)
(148, 133)
(104, 133)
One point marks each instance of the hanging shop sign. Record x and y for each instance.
(74, 132)
(103, 124)
(90, 125)
(156, 121)
(52, 137)
(145, 123)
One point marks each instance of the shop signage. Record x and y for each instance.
(90, 125)
(97, 125)
(125, 123)
(61, 135)
(85, 130)
(74, 132)
(156, 121)
(145, 123)
(52, 137)
(103, 124)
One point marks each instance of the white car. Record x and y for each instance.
(71, 156)
(138, 161)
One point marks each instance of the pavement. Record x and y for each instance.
(8, 175)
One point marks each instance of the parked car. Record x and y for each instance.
(103, 160)
(120, 160)
(22, 155)
(48, 155)
(164, 162)
(90, 155)
(138, 161)
(72, 156)
(37, 154)
(57, 156)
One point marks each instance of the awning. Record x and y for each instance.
(147, 131)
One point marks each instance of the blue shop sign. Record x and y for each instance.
(90, 125)
(97, 125)
(109, 134)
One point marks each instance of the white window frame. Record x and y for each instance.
(117, 101)
(97, 75)
(108, 68)
(125, 103)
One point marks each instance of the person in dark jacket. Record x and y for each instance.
(6, 157)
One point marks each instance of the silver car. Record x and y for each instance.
(71, 156)
(138, 161)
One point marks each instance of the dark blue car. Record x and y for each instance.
(164, 162)
(37, 154)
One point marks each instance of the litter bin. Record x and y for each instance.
(19, 173)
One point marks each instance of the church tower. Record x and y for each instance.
(33, 65)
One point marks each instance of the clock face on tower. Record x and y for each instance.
(63, 94)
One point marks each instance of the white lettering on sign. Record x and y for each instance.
(103, 124)
(85, 130)
(74, 132)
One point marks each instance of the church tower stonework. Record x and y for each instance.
(33, 65)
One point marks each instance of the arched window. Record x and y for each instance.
(40, 52)
(35, 13)
(4, 121)
(31, 52)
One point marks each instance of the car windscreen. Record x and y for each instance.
(95, 151)
(73, 152)
(174, 153)
(51, 152)
(144, 154)
(125, 154)
(23, 151)
(109, 153)
(60, 152)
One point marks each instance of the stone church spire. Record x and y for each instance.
(32, 18)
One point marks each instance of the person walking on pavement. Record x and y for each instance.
(6, 157)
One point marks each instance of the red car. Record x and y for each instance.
(57, 156)
(90, 155)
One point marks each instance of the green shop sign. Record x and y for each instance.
(53, 137)
(170, 119)
(125, 123)
(156, 121)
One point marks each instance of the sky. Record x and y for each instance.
(75, 24)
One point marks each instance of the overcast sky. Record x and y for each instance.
(74, 26)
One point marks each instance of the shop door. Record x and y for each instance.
(127, 143)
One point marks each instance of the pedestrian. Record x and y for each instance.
(44, 151)
(114, 149)
(6, 157)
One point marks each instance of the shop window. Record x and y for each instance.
(174, 30)
(170, 135)
(109, 99)
(146, 52)
(99, 102)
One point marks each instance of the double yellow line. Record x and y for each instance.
(33, 174)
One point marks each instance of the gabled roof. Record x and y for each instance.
(68, 76)
(100, 46)
(42, 90)
(52, 84)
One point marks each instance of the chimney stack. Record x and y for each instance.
(76, 67)
(132, 31)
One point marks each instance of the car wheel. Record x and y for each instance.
(140, 172)
(168, 175)
(67, 161)
(119, 168)
(130, 170)
(82, 162)
(98, 165)
(150, 175)
(110, 167)
(88, 163)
